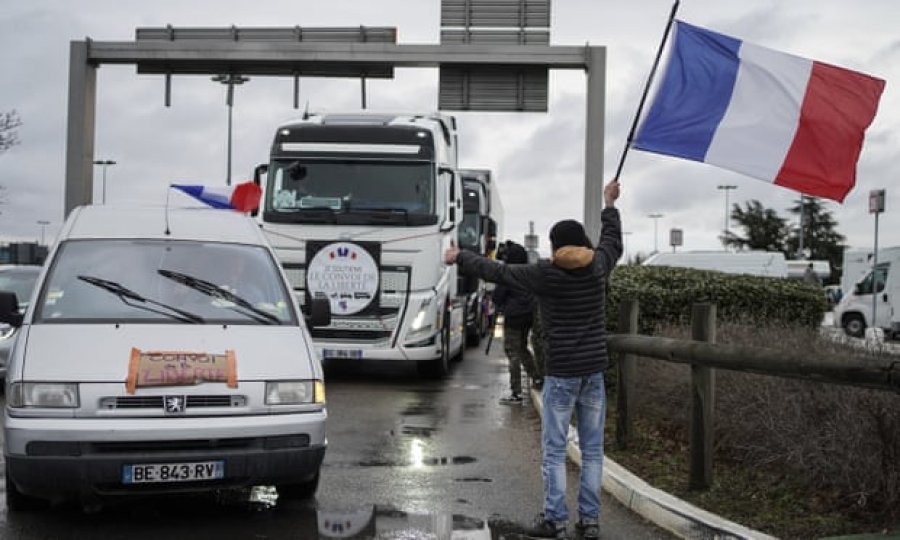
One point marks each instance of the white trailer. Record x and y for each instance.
(756, 263)
(479, 232)
(360, 208)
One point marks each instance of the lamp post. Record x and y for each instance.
(104, 163)
(655, 218)
(625, 235)
(43, 224)
(726, 188)
(231, 79)
(876, 206)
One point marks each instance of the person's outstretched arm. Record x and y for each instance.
(609, 248)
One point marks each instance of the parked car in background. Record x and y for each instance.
(18, 279)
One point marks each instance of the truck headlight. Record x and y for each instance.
(295, 392)
(423, 323)
(43, 394)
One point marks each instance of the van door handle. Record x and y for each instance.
(884, 296)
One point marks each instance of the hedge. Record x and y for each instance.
(666, 295)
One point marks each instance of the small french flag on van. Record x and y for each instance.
(242, 197)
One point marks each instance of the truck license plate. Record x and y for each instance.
(194, 471)
(342, 353)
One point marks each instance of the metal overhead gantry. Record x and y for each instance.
(472, 70)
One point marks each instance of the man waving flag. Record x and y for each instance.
(776, 117)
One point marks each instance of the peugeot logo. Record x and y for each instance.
(175, 404)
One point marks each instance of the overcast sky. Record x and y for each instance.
(538, 158)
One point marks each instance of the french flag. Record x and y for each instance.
(790, 121)
(242, 197)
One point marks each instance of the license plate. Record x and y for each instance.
(148, 473)
(342, 353)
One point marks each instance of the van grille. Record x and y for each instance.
(158, 402)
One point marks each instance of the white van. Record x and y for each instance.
(854, 312)
(164, 352)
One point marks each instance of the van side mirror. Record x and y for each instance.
(9, 309)
(318, 312)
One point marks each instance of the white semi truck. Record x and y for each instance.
(479, 232)
(360, 208)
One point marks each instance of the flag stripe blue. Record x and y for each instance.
(693, 96)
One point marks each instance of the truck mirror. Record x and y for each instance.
(491, 227)
(9, 309)
(318, 312)
(258, 171)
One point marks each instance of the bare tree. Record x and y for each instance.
(9, 136)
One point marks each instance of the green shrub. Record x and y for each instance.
(666, 295)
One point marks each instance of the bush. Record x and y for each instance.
(666, 295)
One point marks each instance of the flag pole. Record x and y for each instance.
(640, 108)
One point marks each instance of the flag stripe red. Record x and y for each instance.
(838, 107)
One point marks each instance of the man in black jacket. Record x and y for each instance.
(570, 289)
(517, 306)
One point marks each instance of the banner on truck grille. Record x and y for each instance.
(347, 273)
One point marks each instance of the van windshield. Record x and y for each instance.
(163, 281)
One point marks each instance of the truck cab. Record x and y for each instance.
(360, 208)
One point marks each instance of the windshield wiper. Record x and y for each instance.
(213, 290)
(128, 296)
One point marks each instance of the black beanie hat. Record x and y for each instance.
(515, 253)
(568, 232)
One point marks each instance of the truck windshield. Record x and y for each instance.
(101, 281)
(376, 192)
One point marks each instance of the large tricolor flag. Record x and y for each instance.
(773, 116)
(242, 197)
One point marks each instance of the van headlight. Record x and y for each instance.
(43, 394)
(295, 392)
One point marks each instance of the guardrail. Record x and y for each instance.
(704, 355)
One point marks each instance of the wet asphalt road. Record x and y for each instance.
(407, 458)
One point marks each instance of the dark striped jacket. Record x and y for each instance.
(571, 293)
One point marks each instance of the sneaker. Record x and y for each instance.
(589, 528)
(511, 399)
(545, 528)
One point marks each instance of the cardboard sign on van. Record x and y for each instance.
(179, 368)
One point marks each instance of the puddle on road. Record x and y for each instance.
(254, 513)
(388, 523)
(420, 461)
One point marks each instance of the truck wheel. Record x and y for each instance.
(473, 335)
(16, 501)
(461, 355)
(439, 367)
(854, 325)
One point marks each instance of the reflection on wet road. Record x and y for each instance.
(407, 459)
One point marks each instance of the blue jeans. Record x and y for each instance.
(586, 396)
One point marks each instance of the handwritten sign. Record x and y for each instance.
(179, 368)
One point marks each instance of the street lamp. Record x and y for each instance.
(625, 235)
(43, 224)
(726, 188)
(655, 218)
(104, 163)
(231, 79)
